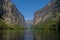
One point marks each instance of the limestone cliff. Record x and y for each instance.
(49, 11)
(10, 13)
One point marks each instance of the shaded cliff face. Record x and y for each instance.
(49, 11)
(10, 13)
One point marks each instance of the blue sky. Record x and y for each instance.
(28, 7)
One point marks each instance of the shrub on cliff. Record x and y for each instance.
(49, 24)
(2, 25)
(18, 27)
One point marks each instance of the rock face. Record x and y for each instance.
(10, 13)
(48, 11)
(28, 22)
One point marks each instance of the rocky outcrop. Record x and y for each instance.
(47, 12)
(10, 13)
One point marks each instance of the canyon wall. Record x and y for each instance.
(49, 11)
(10, 13)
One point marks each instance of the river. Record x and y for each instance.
(28, 33)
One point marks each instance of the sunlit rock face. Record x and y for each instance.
(10, 13)
(48, 11)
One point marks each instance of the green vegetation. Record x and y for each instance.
(49, 24)
(18, 27)
(4, 26)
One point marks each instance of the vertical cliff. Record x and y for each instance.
(49, 11)
(10, 13)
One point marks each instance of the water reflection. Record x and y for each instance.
(11, 35)
(28, 35)
(47, 35)
(38, 35)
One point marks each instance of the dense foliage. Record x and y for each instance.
(4, 26)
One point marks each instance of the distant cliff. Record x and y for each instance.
(49, 11)
(29, 22)
(10, 13)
